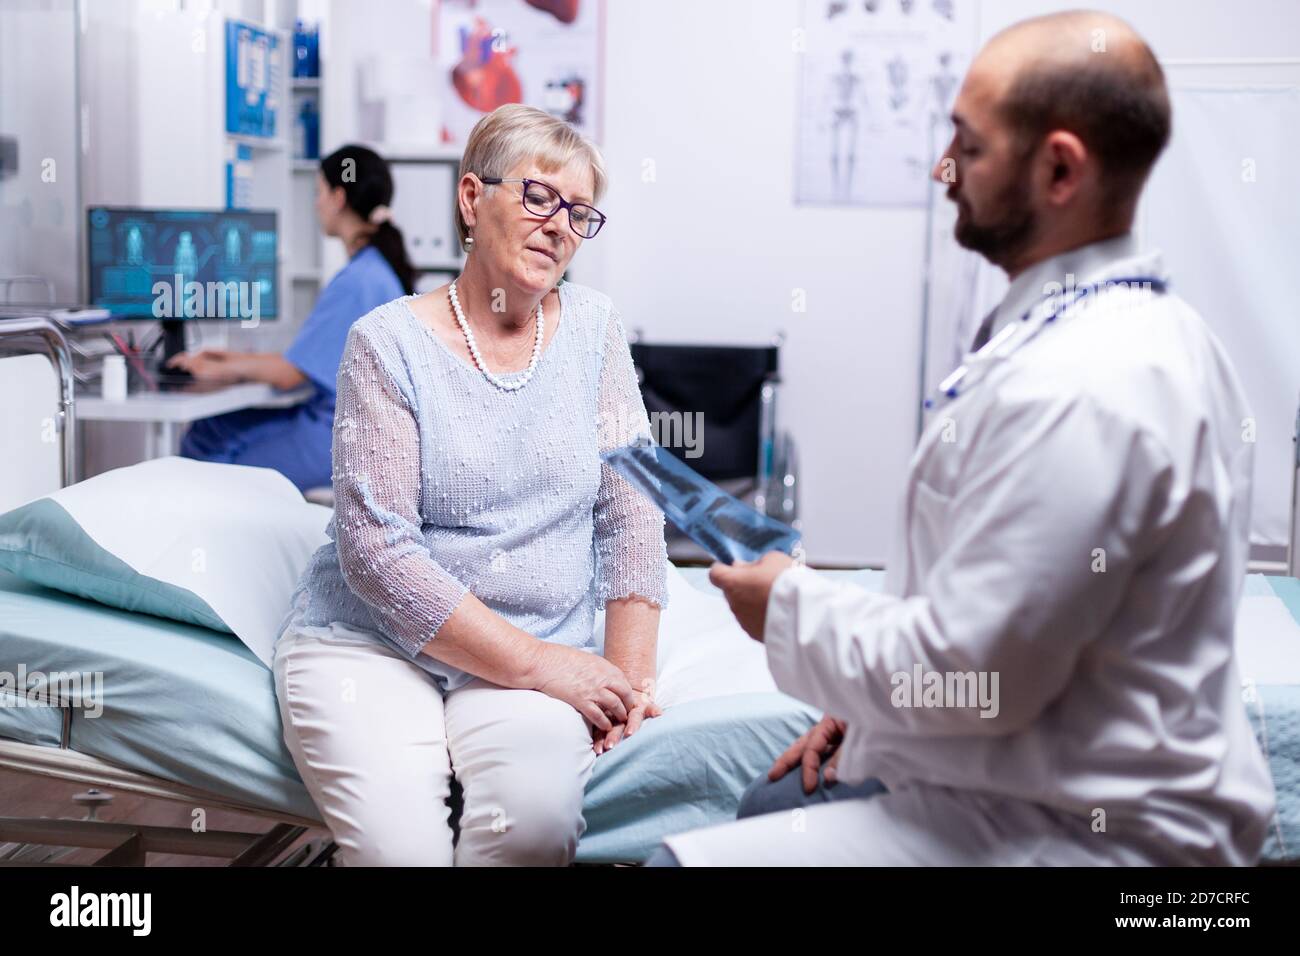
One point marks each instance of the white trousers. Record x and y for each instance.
(377, 744)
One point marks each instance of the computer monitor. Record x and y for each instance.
(182, 264)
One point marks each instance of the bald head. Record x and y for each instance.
(1090, 74)
(1069, 38)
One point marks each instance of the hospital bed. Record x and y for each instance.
(190, 715)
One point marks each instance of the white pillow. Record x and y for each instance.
(237, 538)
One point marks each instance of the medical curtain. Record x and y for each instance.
(1223, 206)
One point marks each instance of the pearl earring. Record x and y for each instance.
(469, 244)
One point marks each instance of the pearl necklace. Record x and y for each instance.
(478, 359)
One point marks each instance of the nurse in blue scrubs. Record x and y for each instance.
(353, 191)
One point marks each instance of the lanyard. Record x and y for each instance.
(1014, 335)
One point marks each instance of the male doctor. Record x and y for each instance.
(1049, 676)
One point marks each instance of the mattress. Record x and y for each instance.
(180, 702)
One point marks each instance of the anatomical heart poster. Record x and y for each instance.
(545, 53)
(876, 83)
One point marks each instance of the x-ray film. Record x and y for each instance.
(723, 525)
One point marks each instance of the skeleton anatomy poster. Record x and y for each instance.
(877, 81)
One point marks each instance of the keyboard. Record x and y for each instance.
(164, 375)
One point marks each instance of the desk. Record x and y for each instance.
(166, 410)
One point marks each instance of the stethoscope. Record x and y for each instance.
(1015, 335)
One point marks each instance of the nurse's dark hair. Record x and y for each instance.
(1117, 104)
(367, 183)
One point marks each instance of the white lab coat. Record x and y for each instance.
(1077, 524)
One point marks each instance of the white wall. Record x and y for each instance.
(707, 92)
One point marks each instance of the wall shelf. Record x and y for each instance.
(256, 142)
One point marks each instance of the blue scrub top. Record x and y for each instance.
(296, 441)
(365, 282)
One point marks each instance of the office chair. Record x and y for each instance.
(715, 408)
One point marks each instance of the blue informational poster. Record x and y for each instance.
(254, 80)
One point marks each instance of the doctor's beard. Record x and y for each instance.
(1003, 239)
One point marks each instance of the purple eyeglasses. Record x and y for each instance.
(543, 200)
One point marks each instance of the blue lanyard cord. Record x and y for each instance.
(950, 387)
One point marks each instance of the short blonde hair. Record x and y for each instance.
(513, 133)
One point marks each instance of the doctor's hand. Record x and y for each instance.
(822, 741)
(209, 364)
(747, 585)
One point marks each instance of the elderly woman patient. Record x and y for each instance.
(447, 628)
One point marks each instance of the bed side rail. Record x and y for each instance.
(39, 335)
